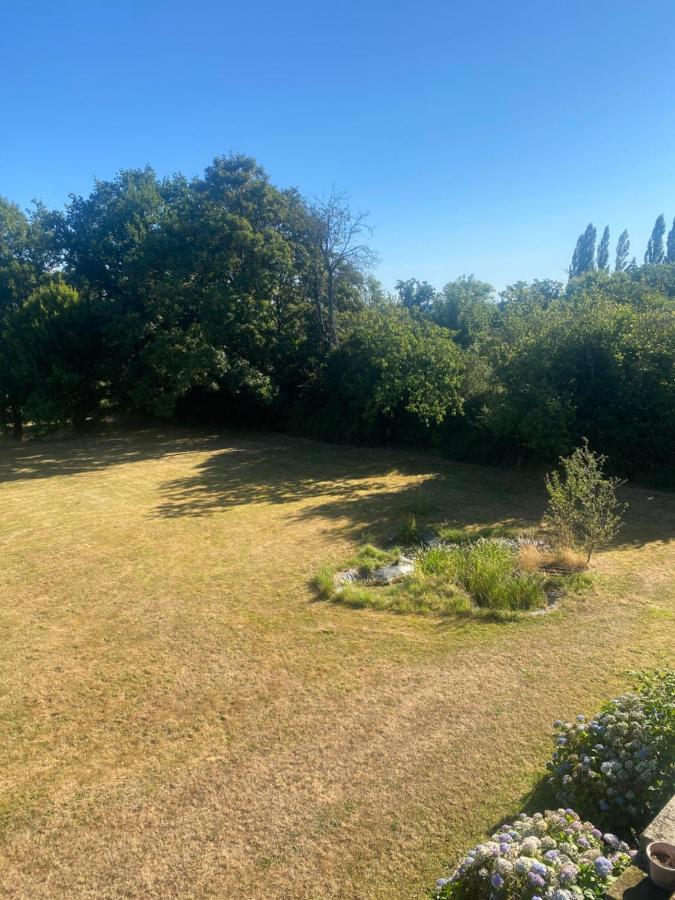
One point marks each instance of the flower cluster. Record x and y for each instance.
(616, 766)
(549, 856)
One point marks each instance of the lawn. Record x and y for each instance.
(180, 716)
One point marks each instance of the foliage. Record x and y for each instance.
(549, 856)
(465, 306)
(622, 251)
(561, 374)
(655, 253)
(582, 503)
(50, 358)
(603, 251)
(583, 259)
(619, 766)
(670, 248)
(388, 364)
(225, 298)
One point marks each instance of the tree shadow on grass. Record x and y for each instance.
(357, 489)
(376, 490)
(96, 452)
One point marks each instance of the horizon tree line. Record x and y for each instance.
(587, 258)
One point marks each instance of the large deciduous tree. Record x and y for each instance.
(337, 242)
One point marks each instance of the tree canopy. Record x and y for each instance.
(224, 297)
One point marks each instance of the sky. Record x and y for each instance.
(481, 137)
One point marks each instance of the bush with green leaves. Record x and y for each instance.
(619, 766)
(548, 856)
(582, 504)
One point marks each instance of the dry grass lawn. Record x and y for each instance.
(180, 718)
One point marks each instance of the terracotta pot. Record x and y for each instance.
(661, 875)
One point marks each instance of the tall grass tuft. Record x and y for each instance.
(324, 583)
(488, 572)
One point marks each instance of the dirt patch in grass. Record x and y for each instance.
(179, 718)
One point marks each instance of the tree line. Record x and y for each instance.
(225, 299)
(660, 250)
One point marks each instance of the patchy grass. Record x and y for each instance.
(179, 718)
(462, 578)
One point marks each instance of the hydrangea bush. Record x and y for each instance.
(618, 767)
(549, 856)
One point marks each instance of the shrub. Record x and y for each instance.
(553, 855)
(619, 766)
(582, 504)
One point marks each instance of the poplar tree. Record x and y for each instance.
(655, 252)
(670, 248)
(603, 251)
(622, 251)
(583, 259)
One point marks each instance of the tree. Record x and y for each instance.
(389, 369)
(583, 259)
(50, 360)
(603, 251)
(538, 293)
(466, 306)
(670, 249)
(655, 253)
(414, 294)
(622, 251)
(338, 247)
(582, 504)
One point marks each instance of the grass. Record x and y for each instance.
(178, 717)
(466, 577)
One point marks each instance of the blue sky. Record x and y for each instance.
(481, 136)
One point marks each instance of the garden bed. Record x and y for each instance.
(451, 572)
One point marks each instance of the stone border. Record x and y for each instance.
(635, 883)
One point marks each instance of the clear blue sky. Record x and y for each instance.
(481, 136)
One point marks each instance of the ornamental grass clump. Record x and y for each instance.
(549, 856)
(487, 570)
(619, 766)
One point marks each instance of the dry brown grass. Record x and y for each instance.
(560, 559)
(565, 559)
(531, 558)
(179, 719)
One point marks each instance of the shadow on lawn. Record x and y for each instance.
(539, 798)
(73, 456)
(357, 487)
(354, 485)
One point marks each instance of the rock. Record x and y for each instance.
(390, 574)
(347, 577)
